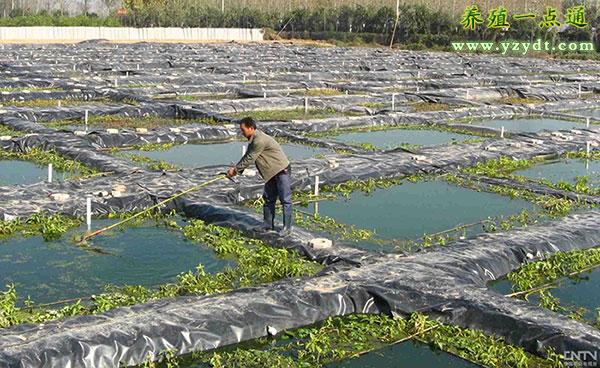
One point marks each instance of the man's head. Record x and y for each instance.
(247, 126)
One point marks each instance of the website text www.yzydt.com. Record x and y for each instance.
(521, 47)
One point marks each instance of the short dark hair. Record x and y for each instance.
(248, 122)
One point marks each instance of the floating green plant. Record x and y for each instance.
(291, 114)
(7, 131)
(323, 92)
(149, 163)
(42, 157)
(340, 338)
(50, 227)
(64, 102)
(385, 127)
(541, 276)
(554, 206)
(129, 122)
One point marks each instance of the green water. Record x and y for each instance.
(595, 113)
(528, 125)
(583, 291)
(566, 171)
(405, 355)
(410, 210)
(198, 155)
(396, 137)
(23, 172)
(146, 255)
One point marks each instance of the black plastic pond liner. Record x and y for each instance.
(332, 168)
(388, 284)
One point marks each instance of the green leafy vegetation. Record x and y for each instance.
(322, 92)
(147, 162)
(554, 267)
(504, 167)
(539, 277)
(50, 227)
(4, 130)
(30, 89)
(128, 122)
(593, 155)
(292, 114)
(67, 102)
(340, 338)
(385, 127)
(41, 157)
(500, 168)
(429, 106)
(520, 100)
(154, 146)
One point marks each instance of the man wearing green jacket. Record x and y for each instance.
(274, 167)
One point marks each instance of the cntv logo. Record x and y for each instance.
(581, 358)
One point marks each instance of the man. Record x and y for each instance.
(274, 168)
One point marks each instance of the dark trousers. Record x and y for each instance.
(278, 186)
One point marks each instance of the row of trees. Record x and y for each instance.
(417, 24)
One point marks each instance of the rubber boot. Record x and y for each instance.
(287, 225)
(268, 219)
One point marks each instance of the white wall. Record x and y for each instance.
(126, 34)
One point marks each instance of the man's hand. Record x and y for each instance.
(231, 172)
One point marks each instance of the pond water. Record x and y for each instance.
(583, 291)
(199, 155)
(24, 172)
(386, 139)
(565, 170)
(405, 355)
(528, 124)
(144, 255)
(410, 210)
(594, 113)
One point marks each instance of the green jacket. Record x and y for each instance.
(266, 153)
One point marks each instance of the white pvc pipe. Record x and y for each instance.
(587, 122)
(502, 132)
(306, 105)
(588, 147)
(316, 185)
(88, 212)
(50, 173)
(393, 102)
